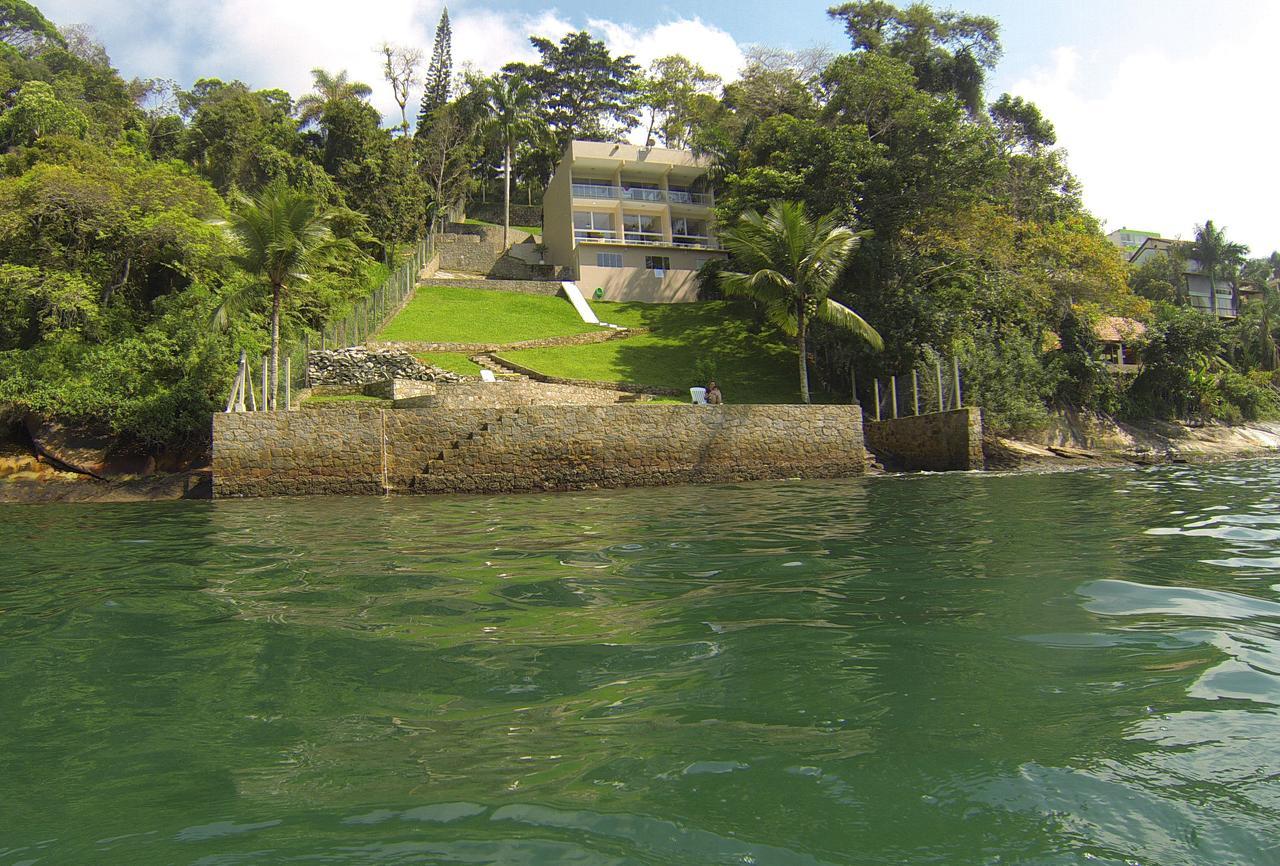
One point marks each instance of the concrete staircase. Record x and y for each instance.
(438, 476)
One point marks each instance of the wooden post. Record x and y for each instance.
(235, 389)
(853, 386)
(267, 403)
(893, 396)
(241, 372)
(877, 386)
(955, 372)
(938, 366)
(288, 382)
(253, 401)
(306, 359)
(915, 389)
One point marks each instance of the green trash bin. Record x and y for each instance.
(599, 293)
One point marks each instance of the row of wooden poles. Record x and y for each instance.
(368, 317)
(945, 401)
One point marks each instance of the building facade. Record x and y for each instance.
(1222, 298)
(631, 223)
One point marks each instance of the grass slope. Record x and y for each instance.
(750, 367)
(533, 230)
(449, 314)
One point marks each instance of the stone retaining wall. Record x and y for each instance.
(521, 214)
(524, 287)
(360, 450)
(600, 336)
(626, 387)
(495, 395)
(936, 442)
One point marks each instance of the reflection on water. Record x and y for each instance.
(967, 669)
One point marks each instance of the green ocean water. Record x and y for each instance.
(1057, 669)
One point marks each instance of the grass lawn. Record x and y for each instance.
(750, 368)
(449, 314)
(454, 362)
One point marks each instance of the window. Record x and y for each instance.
(658, 264)
(608, 260)
(593, 224)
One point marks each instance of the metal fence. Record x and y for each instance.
(368, 316)
(932, 385)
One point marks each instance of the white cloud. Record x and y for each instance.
(276, 43)
(1170, 137)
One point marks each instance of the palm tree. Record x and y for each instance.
(1214, 252)
(329, 89)
(282, 234)
(790, 263)
(509, 117)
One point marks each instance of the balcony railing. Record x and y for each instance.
(594, 235)
(633, 237)
(681, 197)
(592, 190)
(604, 191)
(701, 241)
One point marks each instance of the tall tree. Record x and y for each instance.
(671, 92)
(282, 234)
(949, 52)
(438, 81)
(400, 68)
(790, 262)
(330, 90)
(25, 28)
(1214, 252)
(584, 91)
(447, 154)
(510, 118)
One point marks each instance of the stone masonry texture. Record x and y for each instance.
(936, 442)
(359, 450)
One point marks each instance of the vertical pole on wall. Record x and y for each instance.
(288, 382)
(306, 359)
(266, 402)
(955, 372)
(893, 395)
(853, 386)
(938, 367)
(235, 390)
(240, 377)
(915, 389)
(877, 387)
(248, 379)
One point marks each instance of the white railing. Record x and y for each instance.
(698, 241)
(594, 235)
(645, 238)
(591, 190)
(642, 194)
(682, 197)
(605, 191)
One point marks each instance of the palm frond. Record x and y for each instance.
(841, 316)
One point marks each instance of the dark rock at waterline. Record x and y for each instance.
(85, 451)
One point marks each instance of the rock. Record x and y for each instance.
(85, 451)
(360, 366)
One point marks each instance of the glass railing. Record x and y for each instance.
(640, 194)
(677, 196)
(644, 238)
(693, 241)
(594, 235)
(592, 190)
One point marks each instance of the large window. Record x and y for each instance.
(641, 228)
(688, 232)
(589, 225)
(658, 264)
(608, 260)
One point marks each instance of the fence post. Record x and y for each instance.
(853, 386)
(268, 401)
(915, 389)
(938, 367)
(877, 386)
(288, 382)
(893, 396)
(240, 376)
(306, 359)
(248, 378)
(955, 371)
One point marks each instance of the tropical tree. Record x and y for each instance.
(509, 118)
(790, 263)
(400, 68)
(330, 90)
(283, 235)
(1214, 252)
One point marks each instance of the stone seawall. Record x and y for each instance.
(496, 450)
(525, 287)
(936, 442)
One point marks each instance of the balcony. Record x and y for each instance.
(600, 191)
(701, 242)
(649, 238)
(594, 190)
(594, 235)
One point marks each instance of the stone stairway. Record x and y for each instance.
(437, 476)
(488, 362)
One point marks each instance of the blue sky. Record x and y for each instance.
(1164, 106)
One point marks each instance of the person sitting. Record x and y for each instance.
(714, 397)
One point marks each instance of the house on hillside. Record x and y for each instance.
(632, 223)
(1120, 339)
(1196, 280)
(1128, 240)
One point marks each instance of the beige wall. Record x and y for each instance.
(633, 281)
(557, 215)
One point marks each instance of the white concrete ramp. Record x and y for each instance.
(579, 302)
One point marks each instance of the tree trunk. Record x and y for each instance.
(506, 200)
(801, 345)
(270, 399)
(1213, 295)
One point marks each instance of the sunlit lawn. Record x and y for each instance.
(449, 314)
